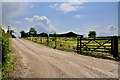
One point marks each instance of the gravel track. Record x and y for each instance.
(44, 62)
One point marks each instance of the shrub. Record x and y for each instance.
(7, 63)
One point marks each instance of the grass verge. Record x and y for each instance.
(96, 55)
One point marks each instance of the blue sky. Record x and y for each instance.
(61, 17)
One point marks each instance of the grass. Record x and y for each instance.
(70, 44)
(62, 43)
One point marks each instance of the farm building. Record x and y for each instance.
(69, 34)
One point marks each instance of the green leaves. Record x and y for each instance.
(92, 34)
(7, 63)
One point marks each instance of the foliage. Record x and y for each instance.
(70, 44)
(43, 35)
(53, 35)
(32, 32)
(13, 36)
(92, 34)
(23, 34)
(7, 63)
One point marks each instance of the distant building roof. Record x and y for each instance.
(69, 34)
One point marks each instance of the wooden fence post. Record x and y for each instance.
(80, 46)
(115, 46)
(77, 44)
(47, 40)
(41, 39)
(55, 43)
(112, 45)
(36, 39)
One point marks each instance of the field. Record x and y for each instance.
(70, 44)
(63, 43)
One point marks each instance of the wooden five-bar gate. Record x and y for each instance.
(98, 44)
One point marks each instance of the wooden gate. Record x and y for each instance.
(98, 44)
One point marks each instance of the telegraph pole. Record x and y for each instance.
(8, 29)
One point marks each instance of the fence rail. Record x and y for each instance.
(99, 44)
(81, 44)
(62, 43)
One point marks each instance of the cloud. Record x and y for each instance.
(41, 23)
(5, 27)
(31, 6)
(68, 7)
(77, 16)
(15, 22)
(109, 30)
(54, 5)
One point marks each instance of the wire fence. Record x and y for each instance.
(62, 43)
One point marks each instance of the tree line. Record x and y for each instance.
(33, 33)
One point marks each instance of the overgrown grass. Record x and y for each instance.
(96, 55)
(69, 43)
(66, 44)
(63, 48)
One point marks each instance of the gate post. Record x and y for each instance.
(47, 40)
(112, 44)
(78, 47)
(115, 46)
(79, 38)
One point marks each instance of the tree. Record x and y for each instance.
(32, 32)
(44, 34)
(11, 33)
(13, 36)
(23, 34)
(55, 35)
(92, 34)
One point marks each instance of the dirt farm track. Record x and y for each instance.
(44, 62)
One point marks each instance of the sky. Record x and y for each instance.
(61, 17)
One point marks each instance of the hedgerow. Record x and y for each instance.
(7, 62)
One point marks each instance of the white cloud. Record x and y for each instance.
(38, 18)
(15, 22)
(77, 16)
(5, 27)
(68, 7)
(41, 23)
(109, 30)
(29, 19)
(54, 5)
(31, 6)
(18, 22)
